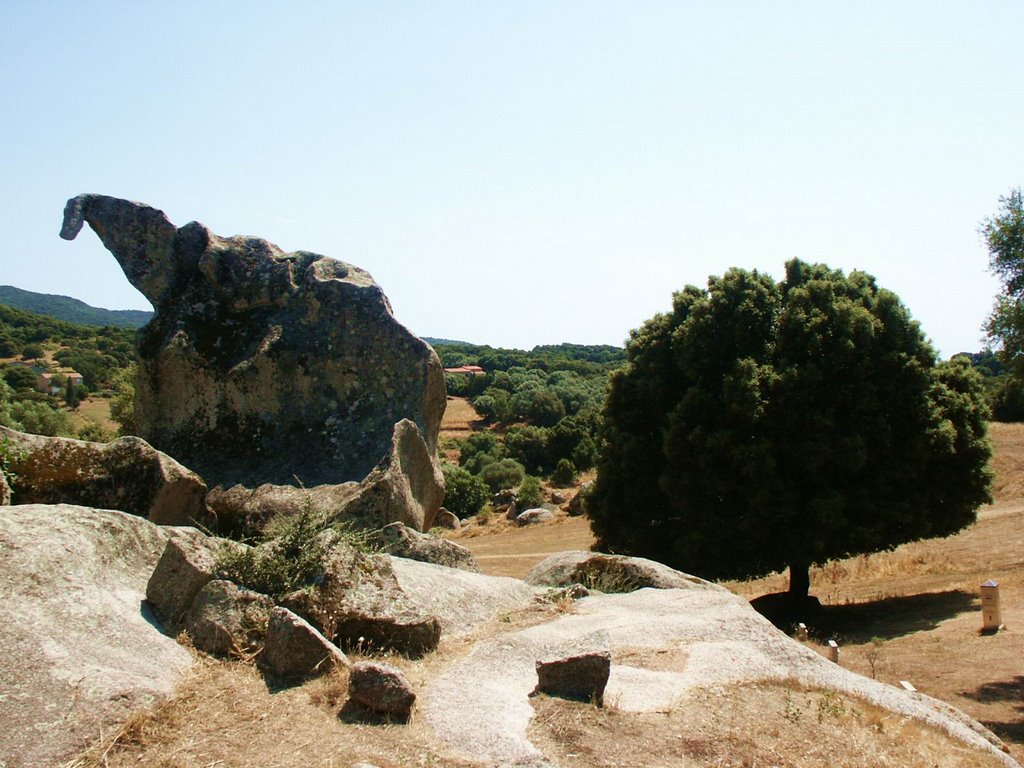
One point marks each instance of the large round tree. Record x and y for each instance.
(761, 425)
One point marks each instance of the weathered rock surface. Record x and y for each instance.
(402, 541)
(185, 567)
(447, 520)
(295, 649)
(578, 671)
(461, 600)
(127, 474)
(687, 647)
(245, 512)
(261, 366)
(381, 688)
(359, 602)
(5, 491)
(609, 573)
(80, 649)
(534, 516)
(225, 619)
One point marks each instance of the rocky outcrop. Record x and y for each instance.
(294, 649)
(402, 541)
(577, 671)
(672, 651)
(359, 603)
(534, 516)
(225, 619)
(5, 491)
(262, 366)
(184, 568)
(447, 520)
(127, 474)
(609, 573)
(81, 651)
(381, 688)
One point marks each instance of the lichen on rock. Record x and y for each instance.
(262, 366)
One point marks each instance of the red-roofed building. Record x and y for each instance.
(469, 370)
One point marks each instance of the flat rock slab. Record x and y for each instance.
(81, 652)
(460, 599)
(480, 705)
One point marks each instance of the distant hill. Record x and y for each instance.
(71, 310)
(441, 342)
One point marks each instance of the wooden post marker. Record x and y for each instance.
(833, 651)
(801, 631)
(991, 618)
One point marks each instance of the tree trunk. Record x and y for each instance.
(799, 580)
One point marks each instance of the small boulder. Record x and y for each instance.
(557, 497)
(226, 619)
(533, 516)
(381, 688)
(5, 491)
(128, 475)
(578, 671)
(360, 602)
(185, 567)
(610, 573)
(295, 649)
(402, 541)
(577, 502)
(447, 520)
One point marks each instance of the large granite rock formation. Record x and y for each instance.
(81, 652)
(127, 475)
(262, 366)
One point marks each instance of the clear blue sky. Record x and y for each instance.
(519, 173)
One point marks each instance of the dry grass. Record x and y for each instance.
(759, 725)
(224, 715)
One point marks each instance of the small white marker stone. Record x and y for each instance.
(801, 631)
(907, 686)
(991, 618)
(833, 651)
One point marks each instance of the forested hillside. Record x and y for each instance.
(71, 310)
(544, 407)
(33, 347)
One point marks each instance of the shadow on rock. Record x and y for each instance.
(354, 713)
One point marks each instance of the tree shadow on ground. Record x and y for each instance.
(861, 622)
(997, 692)
(1002, 690)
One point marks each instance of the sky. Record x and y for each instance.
(525, 173)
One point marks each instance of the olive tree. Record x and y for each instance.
(761, 425)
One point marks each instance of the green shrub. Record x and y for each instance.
(464, 493)
(531, 494)
(564, 473)
(295, 555)
(501, 474)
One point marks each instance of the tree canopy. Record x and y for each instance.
(1004, 237)
(760, 425)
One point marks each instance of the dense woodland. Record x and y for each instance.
(543, 406)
